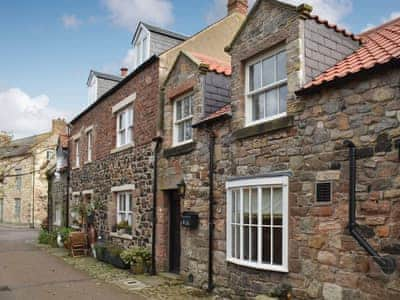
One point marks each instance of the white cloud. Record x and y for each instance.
(392, 16)
(24, 115)
(127, 13)
(70, 21)
(332, 10)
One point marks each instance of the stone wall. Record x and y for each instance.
(129, 167)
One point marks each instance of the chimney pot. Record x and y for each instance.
(238, 6)
(124, 72)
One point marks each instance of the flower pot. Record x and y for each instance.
(137, 268)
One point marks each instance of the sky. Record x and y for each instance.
(48, 47)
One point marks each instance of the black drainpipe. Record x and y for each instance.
(211, 148)
(387, 263)
(157, 140)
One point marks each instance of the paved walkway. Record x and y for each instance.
(27, 273)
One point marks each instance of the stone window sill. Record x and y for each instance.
(120, 236)
(76, 168)
(179, 150)
(122, 148)
(258, 129)
(88, 162)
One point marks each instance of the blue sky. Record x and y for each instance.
(48, 47)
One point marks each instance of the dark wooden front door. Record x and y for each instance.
(174, 232)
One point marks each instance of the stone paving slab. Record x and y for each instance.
(151, 287)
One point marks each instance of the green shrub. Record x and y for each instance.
(64, 232)
(44, 237)
(136, 255)
(114, 250)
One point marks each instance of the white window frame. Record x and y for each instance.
(176, 122)
(128, 128)
(77, 154)
(18, 179)
(128, 213)
(248, 94)
(89, 139)
(259, 183)
(141, 46)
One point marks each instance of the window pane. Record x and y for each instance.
(237, 238)
(254, 243)
(121, 120)
(254, 207)
(237, 205)
(181, 132)
(282, 98)
(233, 241)
(269, 71)
(277, 244)
(188, 130)
(144, 45)
(266, 206)
(178, 110)
(129, 219)
(186, 107)
(271, 103)
(233, 206)
(129, 136)
(281, 66)
(246, 206)
(266, 245)
(258, 107)
(277, 206)
(130, 117)
(122, 140)
(246, 245)
(255, 76)
(129, 205)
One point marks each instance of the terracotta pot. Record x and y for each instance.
(137, 268)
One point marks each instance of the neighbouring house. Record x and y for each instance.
(58, 178)
(112, 143)
(23, 183)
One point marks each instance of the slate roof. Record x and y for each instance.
(379, 46)
(212, 64)
(165, 32)
(22, 147)
(104, 76)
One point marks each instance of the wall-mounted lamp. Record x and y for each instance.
(181, 189)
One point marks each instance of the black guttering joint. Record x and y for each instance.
(144, 65)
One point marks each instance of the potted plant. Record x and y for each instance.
(63, 233)
(138, 258)
(112, 256)
(123, 227)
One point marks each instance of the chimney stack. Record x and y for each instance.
(124, 72)
(238, 6)
(59, 126)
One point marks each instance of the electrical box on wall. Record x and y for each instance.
(190, 219)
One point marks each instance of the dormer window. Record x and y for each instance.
(141, 48)
(266, 88)
(92, 90)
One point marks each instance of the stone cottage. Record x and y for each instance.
(291, 190)
(111, 145)
(23, 181)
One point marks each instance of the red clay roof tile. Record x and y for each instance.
(223, 111)
(379, 46)
(213, 64)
